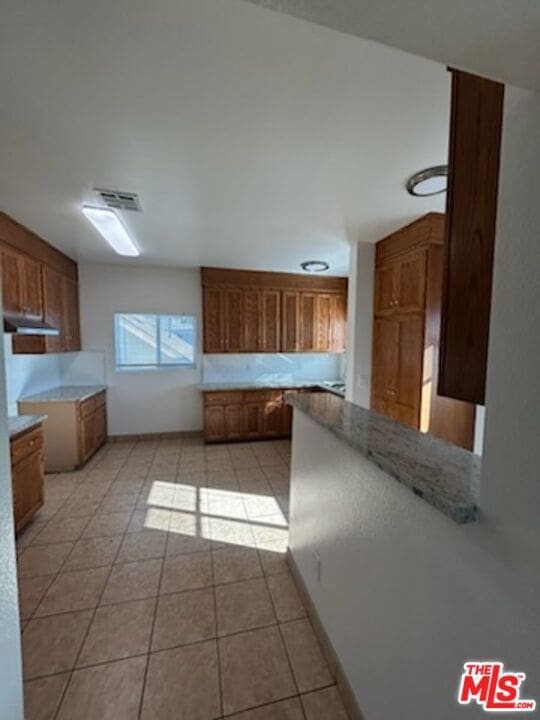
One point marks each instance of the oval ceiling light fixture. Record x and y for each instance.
(428, 182)
(314, 266)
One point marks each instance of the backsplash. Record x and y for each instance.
(30, 374)
(269, 367)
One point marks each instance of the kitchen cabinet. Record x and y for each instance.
(272, 312)
(473, 174)
(75, 429)
(27, 475)
(406, 331)
(246, 415)
(40, 284)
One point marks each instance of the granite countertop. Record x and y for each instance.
(444, 475)
(260, 385)
(65, 394)
(21, 423)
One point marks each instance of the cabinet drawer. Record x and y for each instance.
(263, 395)
(87, 407)
(29, 443)
(223, 398)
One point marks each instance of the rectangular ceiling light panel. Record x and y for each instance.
(109, 226)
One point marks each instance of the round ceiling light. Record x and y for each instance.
(314, 266)
(428, 182)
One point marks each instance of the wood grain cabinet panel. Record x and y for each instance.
(308, 322)
(406, 334)
(27, 475)
(253, 310)
(271, 321)
(214, 320)
(473, 175)
(385, 293)
(290, 322)
(39, 283)
(53, 305)
(248, 311)
(32, 288)
(214, 423)
(70, 296)
(235, 422)
(12, 282)
(234, 320)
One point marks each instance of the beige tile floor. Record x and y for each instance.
(153, 585)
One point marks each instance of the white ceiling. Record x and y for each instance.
(494, 38)
(254, 139)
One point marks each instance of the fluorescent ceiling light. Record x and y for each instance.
(107, 224)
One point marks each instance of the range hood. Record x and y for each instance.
(26, 326)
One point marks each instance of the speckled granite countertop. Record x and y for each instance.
(444, 475)
(260, 385)
(21, 423)
(65, 394)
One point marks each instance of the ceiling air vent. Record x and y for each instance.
(119, 200)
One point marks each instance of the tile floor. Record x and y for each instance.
(154, 585)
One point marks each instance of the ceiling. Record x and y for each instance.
(494, 38)
(254, 140)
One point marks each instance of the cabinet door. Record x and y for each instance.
(71, 314)
(308, 327)
(253, 419)
(32, 288)
(339, 323)
(271, 321)
(384, 289)
(252, 320)
(12, 286)
(408, 386)
(100, 425)
(87, 436)
(234, 320)
(473, 176)
(234, 421)
(27, 480)
(53, 300)
(324, 341)
(290, 321)
(214, 422)
(214, 327)
(385, 362)
(273, 416)
(411, 283)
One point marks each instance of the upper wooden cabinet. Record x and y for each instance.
(38, 283)
(272, 312)
(473, 175)
(407, 304)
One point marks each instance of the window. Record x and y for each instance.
(151, 341)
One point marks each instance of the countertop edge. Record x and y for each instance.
(459, 512)
(33, 421)
(67, 393)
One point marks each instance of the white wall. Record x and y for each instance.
(11, 704)
(360, 323)
(30, 374)
(148, 401)
(407, 596)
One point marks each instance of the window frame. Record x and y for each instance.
(158, 366)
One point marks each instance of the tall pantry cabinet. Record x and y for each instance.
(406, 331)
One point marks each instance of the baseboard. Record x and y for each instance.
(336, 669)
(180, 435)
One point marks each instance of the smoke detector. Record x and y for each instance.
(119, 199)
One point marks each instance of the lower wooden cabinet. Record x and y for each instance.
(246, 415)
(27, 475)
(75, 429)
